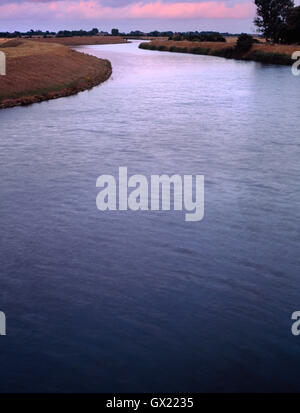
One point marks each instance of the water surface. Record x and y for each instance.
(144, 301)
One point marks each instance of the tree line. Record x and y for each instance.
(278, 20)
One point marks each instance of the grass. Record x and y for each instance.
(40, 71)
(270, 58)
(263, 52)
(80, 40)
(200, 50)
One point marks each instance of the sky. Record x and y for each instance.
(234, 16)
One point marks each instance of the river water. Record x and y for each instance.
(144, 301)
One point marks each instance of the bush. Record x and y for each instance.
(144, 46)
(244, 43)
(227, 52)
(212, 37)
(201, 37)
(175, 49)
(147, 46)
(270, 58)
(200, 50)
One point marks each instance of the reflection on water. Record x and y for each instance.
(124, 301)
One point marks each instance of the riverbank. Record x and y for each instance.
(38, 71)
(81, 40)
(265, 53)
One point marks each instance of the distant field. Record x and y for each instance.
(277, 48)
(81, 40)
(39, 71)
(146, 38)
(76, 40)
(233, 39)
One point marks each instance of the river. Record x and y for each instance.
(144, 301)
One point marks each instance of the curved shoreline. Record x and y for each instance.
(37, 72)
(68, 91)
(263, 53)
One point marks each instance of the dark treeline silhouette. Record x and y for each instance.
(193, 36)
(199, 37)
(30, 33)
(72, 33)
(278, 21)
(61, 33)
(292, 32)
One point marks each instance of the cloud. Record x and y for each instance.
(127, 9)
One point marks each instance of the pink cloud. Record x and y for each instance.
(214, 9)
(91, 9)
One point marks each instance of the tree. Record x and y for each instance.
(94, 32)
(293, 26)
(115, 32)
(272, 17)
(244, 43)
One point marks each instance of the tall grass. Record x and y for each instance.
(226, 52)
(270, 58)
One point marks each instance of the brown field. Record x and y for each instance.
(233, 39)
(154, 38)
(146, 38)
(38, 71)
(81, 40)
(264, 47)
(287, 49)
(189, 45)
(277, 53)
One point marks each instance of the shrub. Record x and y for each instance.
(175, 49)
(200, 50)
(270, 58)
(212, 37)
(244, 43)
(227, 52)
(201, 37)
(144, 46)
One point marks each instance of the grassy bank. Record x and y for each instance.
(81, 40)
(38, 71)
(265, 53)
